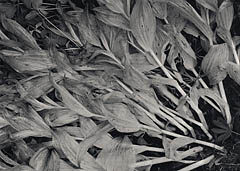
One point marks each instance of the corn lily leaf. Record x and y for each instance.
(60, 116)
(143, 24)
(39, 159)
(89, 163)
(71, 102)
(116, 6)
(111, 18)
(160, 9)
(214, 63)
(121, 118)
(68, 145)
(29, 62)
(20, 168)
(225, 15)
(177, 143)
(209, 4)
(16, 29)
(38, 85)
(35, 4)
(84, 145)
(140, 62)
(234, 72)
(118, 156)
(191, 14)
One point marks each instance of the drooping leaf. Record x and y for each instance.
(215, 62)
(234, 72)
(68, 145)
(39, 159)
(191, 14)
(143, 24)
(111, 18)
(71, 102)
(16, 29)
(225, 15)
(118, 156)
(121, 118)
(29, 62)
(84, 145)
(35, 4)
(209, 4)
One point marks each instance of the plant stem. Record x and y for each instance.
(181, 91)
(198, 164)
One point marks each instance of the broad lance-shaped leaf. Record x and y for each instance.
(29, 62)
(191, 14)
(33, 3)
(209, 4)
(68, 145)
(121, 118)
(234, 71)
(225, 15)
(116, 6)
(215, 62)
(117, 156)
(100, 130)
(143, 24)
(71, 102)
(45, 160)
(111, 18)
(16, 29)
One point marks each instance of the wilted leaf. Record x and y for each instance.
(39, 159)
(71, 102)
(140, 62)
(7, 9)
(225, 15)
(110, 18)
(121, 118)
(222, 130)
(16, 29)
(160, 9)
(143, 24)
(118, 156)
(89, 163)
(215, 62)
(116, 6)
(177, 143)
(31, 61)
(84, 145)
(234, 71)
(209, 4)
(35, 4)
(191, 14)
(68, 145)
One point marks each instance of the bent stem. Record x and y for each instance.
(181, 91)
(198, 164)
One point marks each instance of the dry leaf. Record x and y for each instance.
(214, 63)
